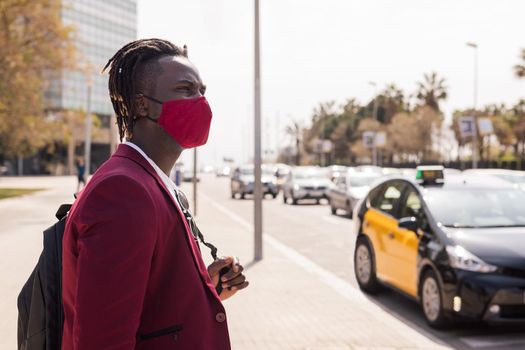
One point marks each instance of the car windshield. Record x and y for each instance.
(308, 173)
(359, 181)
(477, 208)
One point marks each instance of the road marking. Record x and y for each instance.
(336, 283)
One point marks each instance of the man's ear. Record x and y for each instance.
(141, 106)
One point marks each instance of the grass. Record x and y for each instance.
(15, 192)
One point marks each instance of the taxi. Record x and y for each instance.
(454, 244)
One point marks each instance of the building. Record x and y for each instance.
(101, 28)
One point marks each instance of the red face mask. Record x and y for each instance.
(186, 120)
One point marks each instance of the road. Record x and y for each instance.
(328, 241)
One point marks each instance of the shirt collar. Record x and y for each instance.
(165, 178)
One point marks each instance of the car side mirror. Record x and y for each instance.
(409, 223)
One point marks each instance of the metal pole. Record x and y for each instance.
(475, 154)
(475, 95)
(258, 249)
(374, 113)
(195, 181)
(87, 143)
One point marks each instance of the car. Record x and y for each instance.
(281, 172)
(242, 181)
(369, 169)
(334, 171)
(453, 243)
(224, 171)
(306, 183)
(187, 175)
(515, 177)
(349, 189)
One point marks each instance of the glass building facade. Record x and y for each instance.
(101, 28)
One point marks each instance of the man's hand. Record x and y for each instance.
(233, 280)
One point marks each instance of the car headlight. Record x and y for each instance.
(296, 187)
(462, 259)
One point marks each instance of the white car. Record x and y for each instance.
(306, 182)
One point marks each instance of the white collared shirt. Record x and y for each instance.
(170, 185)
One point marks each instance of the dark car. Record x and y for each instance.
(455, 244)
(242, 181)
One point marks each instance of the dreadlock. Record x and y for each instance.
(131, 70)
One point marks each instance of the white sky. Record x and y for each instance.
(315, 51)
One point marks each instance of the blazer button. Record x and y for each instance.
(220, 317)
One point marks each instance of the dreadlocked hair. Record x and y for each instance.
(125, 77)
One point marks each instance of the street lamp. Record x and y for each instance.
(374, 114)
(89, 123)
(257, 191)
(474, 46)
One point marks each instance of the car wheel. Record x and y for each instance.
(333, 209)
(431, 301)
(349, 208)
(364, 267)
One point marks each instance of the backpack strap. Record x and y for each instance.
(62, 211)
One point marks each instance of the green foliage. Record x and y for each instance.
(34, 42)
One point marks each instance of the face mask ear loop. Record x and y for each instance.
(154, 100)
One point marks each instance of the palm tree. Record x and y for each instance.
(431, 90)
(295, 131)
(393, 101)
(519, 69)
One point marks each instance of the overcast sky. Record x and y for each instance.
(316, 51)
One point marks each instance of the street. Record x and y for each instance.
(328, 241)
(303, 295)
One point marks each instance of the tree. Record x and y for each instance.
(34, 42)
(519, 69)
(393, 102)
(431, 91)
(295, 131)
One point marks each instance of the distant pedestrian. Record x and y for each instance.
(81, 173)
(133, 275)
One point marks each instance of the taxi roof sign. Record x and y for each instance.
(430, 175)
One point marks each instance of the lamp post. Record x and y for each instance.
(374, 114)
(474, 46)
(257, 192)
(89, 122)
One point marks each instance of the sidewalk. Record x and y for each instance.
(291, 302)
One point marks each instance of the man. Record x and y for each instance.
(133, 276)
(81, 170)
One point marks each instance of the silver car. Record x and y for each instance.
(306, 182)
(242, 181)
(349, 189)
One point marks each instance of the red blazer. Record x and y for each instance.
(133, 276)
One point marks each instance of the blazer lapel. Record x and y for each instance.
(130, 153)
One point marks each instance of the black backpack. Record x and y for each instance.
(40, 311)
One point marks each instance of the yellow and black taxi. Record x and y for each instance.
(455, 244)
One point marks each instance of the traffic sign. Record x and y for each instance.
(467, 126)
(485, 126)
